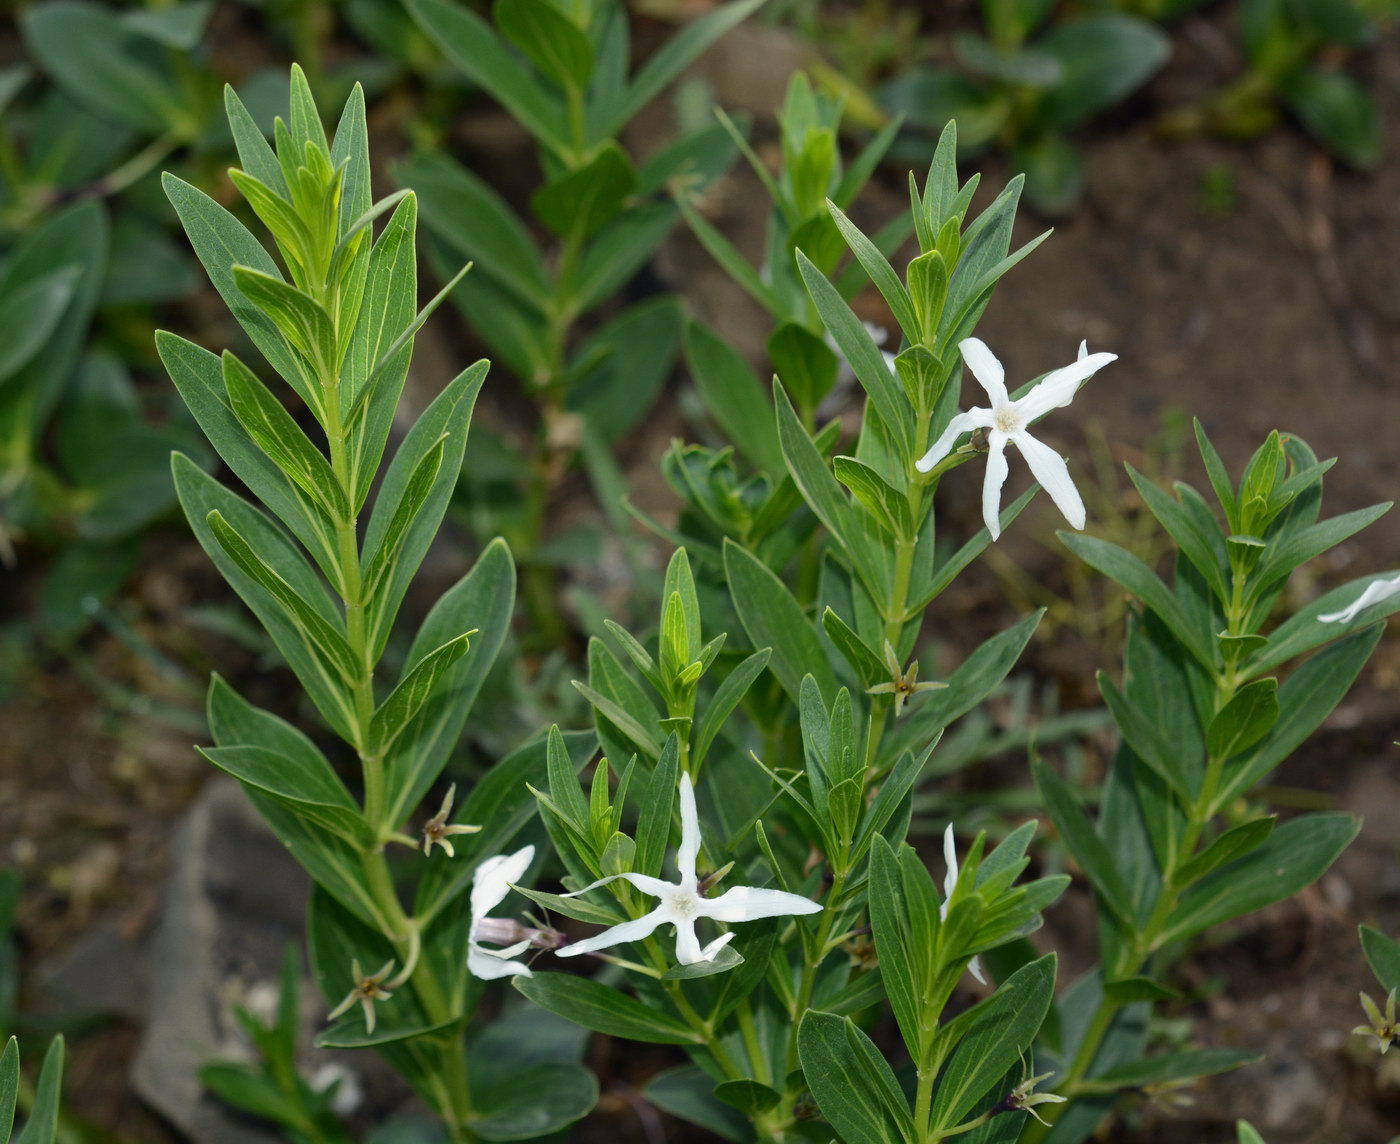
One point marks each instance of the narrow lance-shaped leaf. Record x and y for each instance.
(329, 642)
(412, 692)
(269, 424)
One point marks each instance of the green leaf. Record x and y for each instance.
(804, 362)
(774, 619)
(550, 40)
(180, 27)
(471, 44)
(200, 496)
(884, 502)
(636, 353)
(1170, 1067)
(449, 418)
(319, 633)
(1180, 764)
(267, 422)
(731, 261)
(881, 274)
(748, 1096)
(666, 64)
(9, 1087)
(604, 1010)
(333, 863)
(1234, 843)
(1121, 566)
(734, 397)
(1023, 67)
(1247, 718)
(42, 1126)
(990, 1038)
(1306, 698)
(1338, 112)
(862, 353)
(726, 698)
(198, 375)
(30, 311)
(412, 693)
(482, 599)
(246, 1089)
(1382, 953)
(1295, 855)
(476, 222)
(534, 1102)
(313, 792)
(725, 959)
(1084, 842)
(685, 1091)
(655, 811)
(1104, 57)
(579, 203)
(1131, 990)
(114, 72)
(854, 1087)
(221, 243)
(298, 317)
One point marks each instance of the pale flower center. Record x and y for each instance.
(1007, 419)
(683, 903)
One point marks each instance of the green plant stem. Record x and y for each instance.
(1148, 940)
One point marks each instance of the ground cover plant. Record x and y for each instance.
(731, 845)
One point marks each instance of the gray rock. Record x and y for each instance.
(234, 900)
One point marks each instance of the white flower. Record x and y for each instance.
(682, 904)
(1008, 420)
(1375, 592)
(490, 885)
(950, 858)
(349, 1094)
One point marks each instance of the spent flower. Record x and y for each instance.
(437, 831)
(682, 903)
(368, 989)
(1008, 421)
(1382, 1026)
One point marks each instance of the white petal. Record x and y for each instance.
(992, 482)
(490, 965)
(634, 930)
(708, 953)
(688, 951)
(653, 886)
(985, 368)
(1083, 349)
(950, 860)
(748, 903)
(1375, 592)
(974, 967)
(962, 423)
(690, 835)
(1058, 387)
(1050, 470)
(878, 334)
(492, 879)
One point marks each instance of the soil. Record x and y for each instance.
(1275, 303)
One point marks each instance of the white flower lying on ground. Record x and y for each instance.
(1374, 594)
(950, 858)
(682, 904)
(1008, 420)
(490, 885)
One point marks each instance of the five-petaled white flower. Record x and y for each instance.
(682, 904)
(1007, 420)
(950, 858)
(490, 885)
(1374, 594)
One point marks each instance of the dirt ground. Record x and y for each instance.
(1273, 304)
